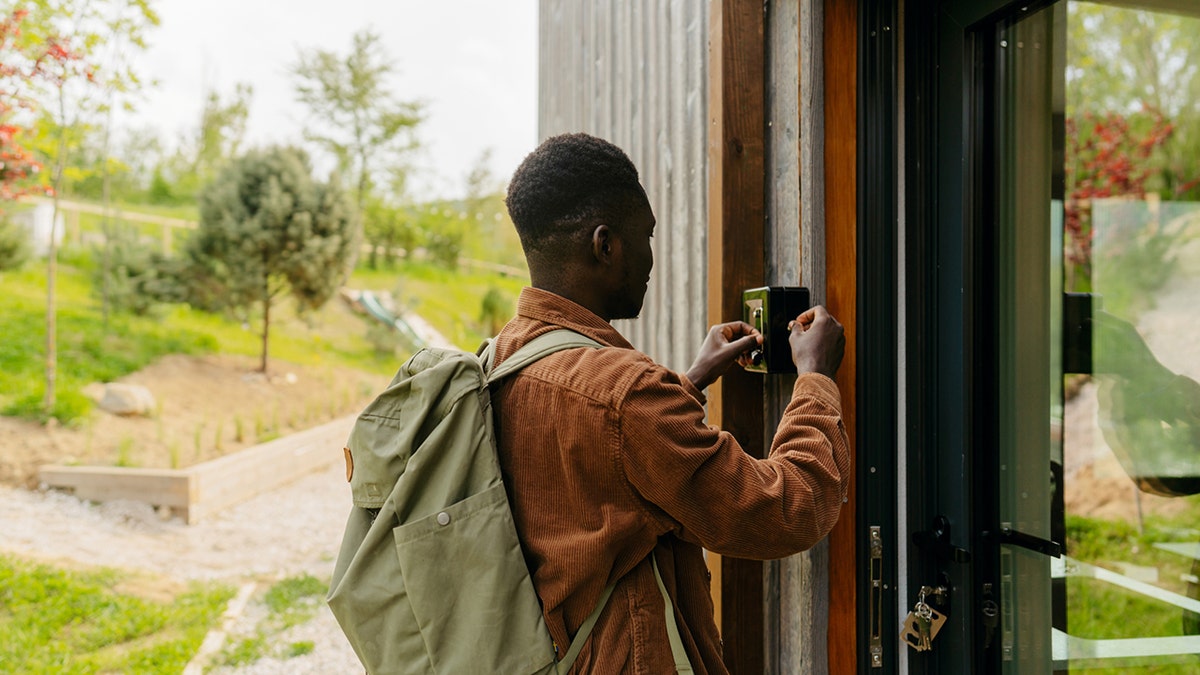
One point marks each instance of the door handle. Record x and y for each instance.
(1011, 537)
(937, 538)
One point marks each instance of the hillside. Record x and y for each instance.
(201, 367)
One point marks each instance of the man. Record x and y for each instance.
(606, 455)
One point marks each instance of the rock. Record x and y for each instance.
(94, 391)
(127, 399)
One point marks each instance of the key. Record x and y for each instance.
(910, 632)
(936, 620)
(918, 631)
(923, 611)
(924, 626)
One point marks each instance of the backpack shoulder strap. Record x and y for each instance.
(585, 629)
(542, 345)
(682, 665)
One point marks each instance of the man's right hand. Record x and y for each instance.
(818, 342)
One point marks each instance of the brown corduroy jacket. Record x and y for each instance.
(607, 457)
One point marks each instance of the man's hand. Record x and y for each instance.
(1119, 349)
(817, 342)
(724, 345)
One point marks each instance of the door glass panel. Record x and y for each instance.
(1098, 293)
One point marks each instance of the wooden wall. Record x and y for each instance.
(634, 72)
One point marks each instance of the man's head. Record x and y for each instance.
(585, 223)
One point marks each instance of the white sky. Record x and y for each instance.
(473, 62)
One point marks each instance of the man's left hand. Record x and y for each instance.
(725, 344)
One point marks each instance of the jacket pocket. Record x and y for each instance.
(470, 589)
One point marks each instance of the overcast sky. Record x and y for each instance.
(473, 62)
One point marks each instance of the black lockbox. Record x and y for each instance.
(769, 309)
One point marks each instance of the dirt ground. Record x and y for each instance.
(208, 406)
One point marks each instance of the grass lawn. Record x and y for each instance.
(62, 621)
(1102, 611)
(290, 602)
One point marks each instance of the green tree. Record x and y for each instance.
(267, 228)
(72, 37)
(353, 114)
(222, 131)
(139, 277)
(201, 154)
(389, 230)
(443, 231)
(126, 23)
(488, 233)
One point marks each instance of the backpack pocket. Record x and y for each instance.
(470, 589)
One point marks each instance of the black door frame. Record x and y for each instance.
(934, 57)
(876, 538)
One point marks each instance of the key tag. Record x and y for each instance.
(922, 624)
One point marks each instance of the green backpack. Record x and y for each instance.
(430, 577)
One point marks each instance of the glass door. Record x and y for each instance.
(1095, 259)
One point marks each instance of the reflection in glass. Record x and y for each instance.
(1149, 413)
(1132, 131)
(1100, 163)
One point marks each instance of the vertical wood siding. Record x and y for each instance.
(796, 588)
(634, 72)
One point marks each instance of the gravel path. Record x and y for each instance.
(294, 530)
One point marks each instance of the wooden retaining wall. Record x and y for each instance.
(199, 491)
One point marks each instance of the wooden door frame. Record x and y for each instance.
(842, 66)
(736, 245)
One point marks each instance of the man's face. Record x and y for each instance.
(636, 261)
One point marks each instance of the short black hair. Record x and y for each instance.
(569, 182)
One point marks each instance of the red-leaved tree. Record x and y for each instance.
(19, 71)
(1107, 156)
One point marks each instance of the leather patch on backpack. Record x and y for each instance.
(349, 464)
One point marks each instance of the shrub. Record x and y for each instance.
(71, 407)
(14, 245)
(494, 311)
(127, 272)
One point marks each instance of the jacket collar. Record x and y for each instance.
(542, 305)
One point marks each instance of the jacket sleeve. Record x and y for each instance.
(705, 487)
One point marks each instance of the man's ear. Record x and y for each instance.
(603, 244)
